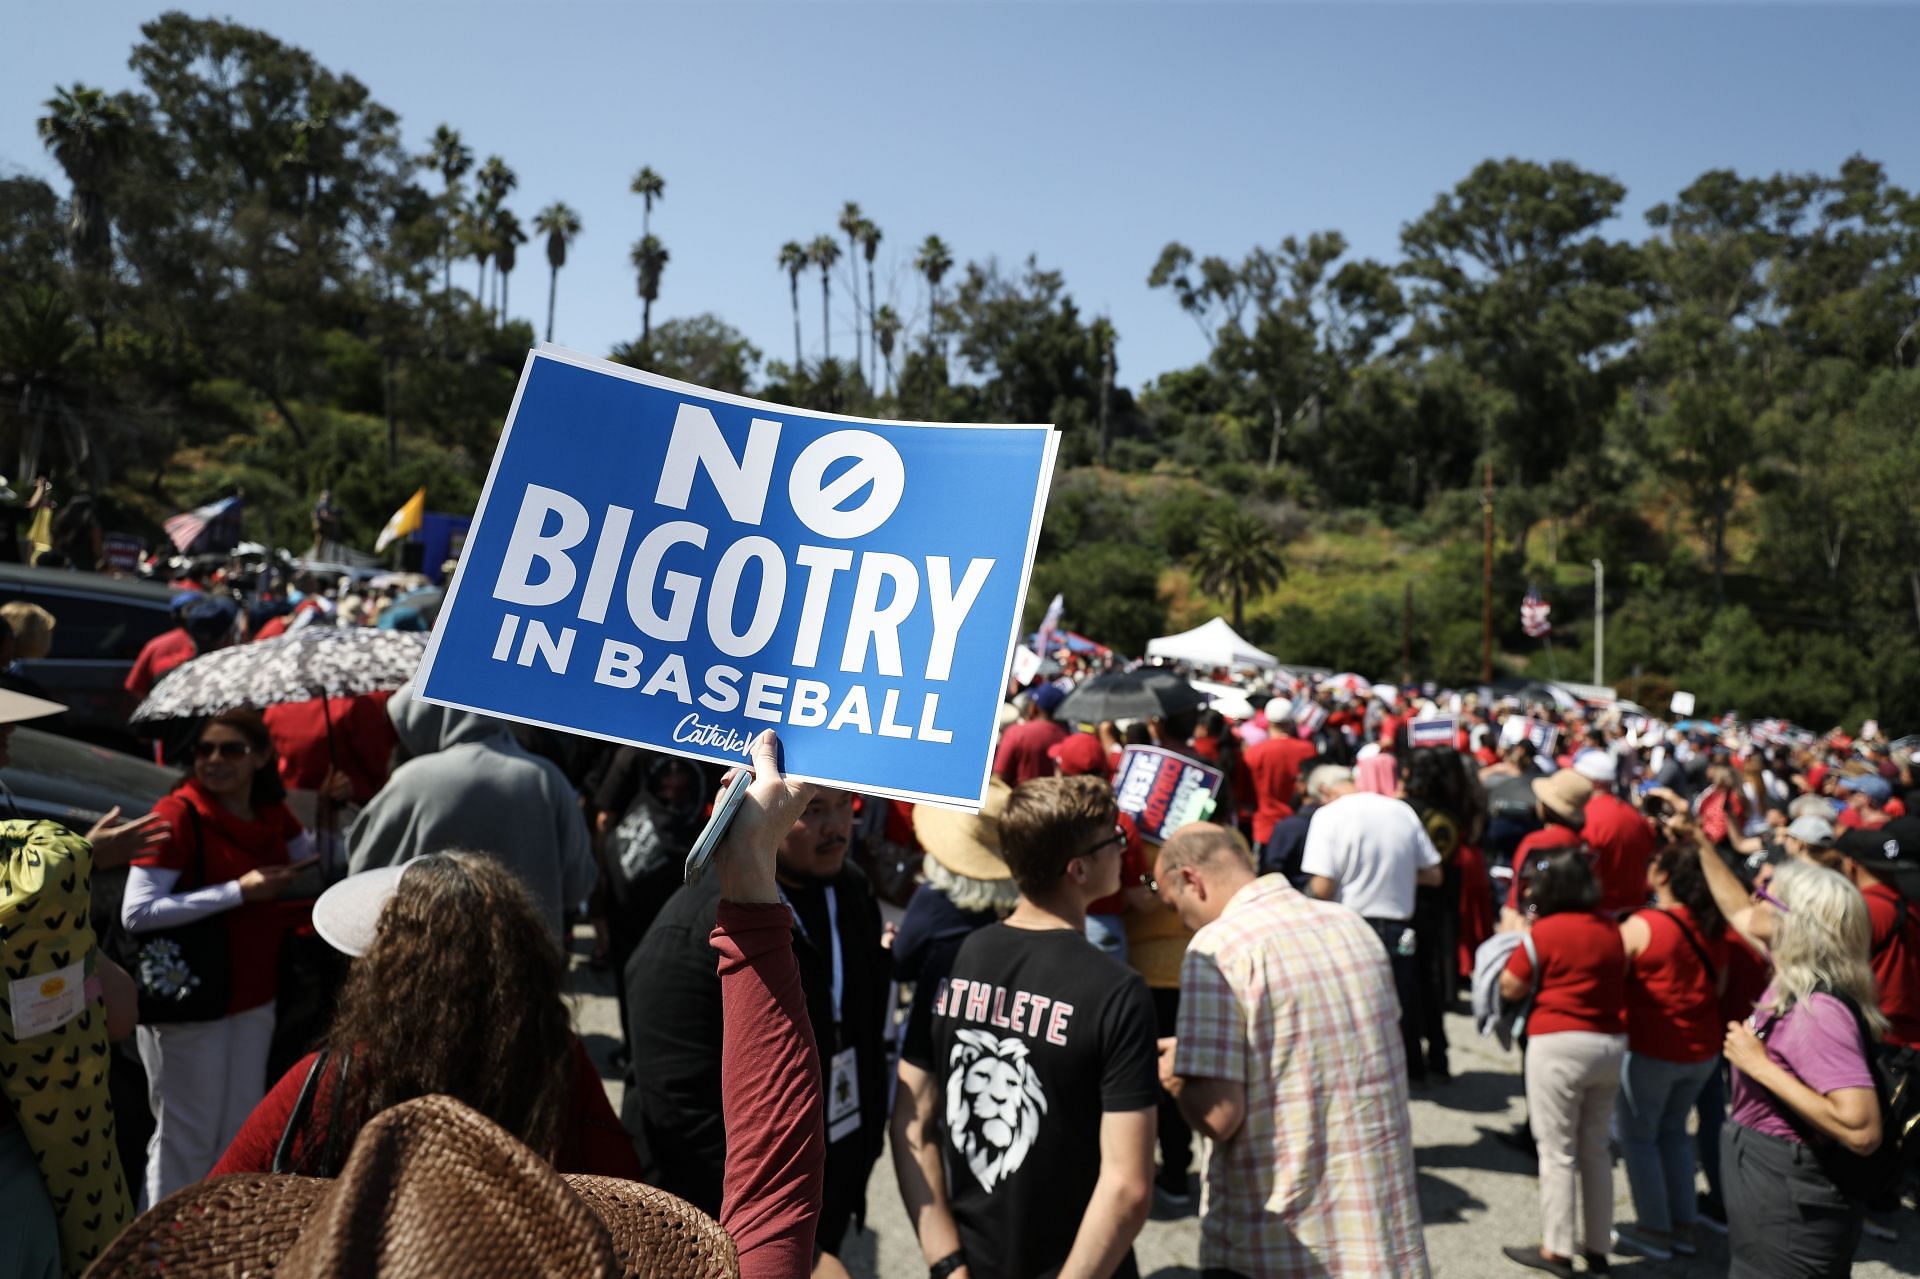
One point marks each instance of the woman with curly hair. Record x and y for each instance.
(455, 989)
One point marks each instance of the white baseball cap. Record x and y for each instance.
(1595, 765)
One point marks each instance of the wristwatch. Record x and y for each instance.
(947, 1264)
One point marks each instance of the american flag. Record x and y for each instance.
(1533, 614)
(213, 527)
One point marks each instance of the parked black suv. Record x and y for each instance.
(101, 624)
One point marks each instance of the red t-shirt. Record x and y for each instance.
(1748, 972)
(1546, 839)
(1622, 842)
(1023, 750)
(1896, 962)
(1274, 766)
(591, 1138)
(162, 653)
(232, 847)
(273, 626)
(1673, 1011)
(1583, 975)
(360, 744)
(1863, 819)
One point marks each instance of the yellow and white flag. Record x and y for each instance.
(403, 521)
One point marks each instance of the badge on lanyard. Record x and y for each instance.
(843, 1096)
(47, 1001)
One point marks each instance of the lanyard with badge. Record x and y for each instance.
(843, 1077)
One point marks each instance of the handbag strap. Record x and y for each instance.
(302, 1106)
(199, 842)
(1899, 927)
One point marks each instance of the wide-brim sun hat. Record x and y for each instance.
(18, 707)
(1564, 794)
(431, 1187)
(967, 844)
(348, 914)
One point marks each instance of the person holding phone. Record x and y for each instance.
(234, 849)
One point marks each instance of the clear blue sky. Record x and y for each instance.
(1086, 134)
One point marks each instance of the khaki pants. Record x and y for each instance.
(1573, 1077)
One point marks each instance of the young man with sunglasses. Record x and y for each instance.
(1027, 1145)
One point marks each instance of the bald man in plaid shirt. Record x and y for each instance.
(1288, 1056)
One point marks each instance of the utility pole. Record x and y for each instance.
(1599, 622)
(1406, 637)
(1486, 582)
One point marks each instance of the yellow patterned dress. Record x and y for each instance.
(53, 1072)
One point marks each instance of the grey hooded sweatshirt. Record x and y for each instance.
(471, 786)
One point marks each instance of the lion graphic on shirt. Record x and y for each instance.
(994, 1104)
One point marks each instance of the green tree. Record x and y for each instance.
(508, 236)
(88, 134)
(560, 225)
(702, 349)
(649, 186)
(649, 258)
(1237, 555)
(451, 158)
(886, 328)
(793, 260)
(1511, 275)
(823, 252)
(851, 220)
(43, 354)
(869, 236)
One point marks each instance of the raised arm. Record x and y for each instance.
(1729, 894)
(770, 1095)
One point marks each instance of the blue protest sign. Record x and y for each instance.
(678, 568)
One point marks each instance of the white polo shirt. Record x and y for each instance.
(1373, 845)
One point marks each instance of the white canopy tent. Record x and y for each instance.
(1214, 644)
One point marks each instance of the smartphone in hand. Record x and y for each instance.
(724, 809)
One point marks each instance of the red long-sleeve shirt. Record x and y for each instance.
(770, 1095)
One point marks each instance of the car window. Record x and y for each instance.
(96, 629)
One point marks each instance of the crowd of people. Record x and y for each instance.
(351, 904)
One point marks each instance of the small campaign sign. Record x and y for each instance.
(678, 568)
(1163, 791)
(1682, 704)
(1026, 665)
(1435, 730)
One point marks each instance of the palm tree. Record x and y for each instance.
(507, 238)
(869, 246)
(476, 242)
(88, 133)
(560, 225)
(649, 186)
(495, 180)
(1238, 554)
(649, 258)
(448, 156)
(793, 260)
(850, 220)
(886, 327)
(933, 260)
(823, 253)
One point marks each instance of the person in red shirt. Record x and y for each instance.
(233, 849)
(1866, 795)
(159, 655)
(1022, 754)
(1559, 799)
(1872, 859)
(1273, 768)
(1676, 965)
(1576, 1042)
(1621, 839)
(348, 735)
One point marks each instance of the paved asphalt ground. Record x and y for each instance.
(1475, 1193)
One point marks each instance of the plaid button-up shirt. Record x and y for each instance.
(1293, 998)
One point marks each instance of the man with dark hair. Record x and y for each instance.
(1024, 1142)
(1288, 1026)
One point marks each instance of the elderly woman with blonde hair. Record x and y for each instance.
(1803, 1087)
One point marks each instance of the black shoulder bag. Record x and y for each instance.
(183, 973)
(328, 1164)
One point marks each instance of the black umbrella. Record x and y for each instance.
(319, 661)
(1140, 694)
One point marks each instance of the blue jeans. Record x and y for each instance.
(1108, 933)
(1650, 1123)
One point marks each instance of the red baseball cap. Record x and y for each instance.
(1080, 753)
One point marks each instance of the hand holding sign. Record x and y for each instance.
(745, 860)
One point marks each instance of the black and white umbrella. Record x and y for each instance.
(344, 661)
(1142, 694)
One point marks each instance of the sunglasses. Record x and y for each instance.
(225, 750)
(1762, 894)
(1119, 837)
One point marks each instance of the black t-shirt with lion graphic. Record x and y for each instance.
(1034, 1035)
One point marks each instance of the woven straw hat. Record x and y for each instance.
(1564, 794)
(431, 1188)
(966, 843)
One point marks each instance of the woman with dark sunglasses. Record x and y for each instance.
(234, 849)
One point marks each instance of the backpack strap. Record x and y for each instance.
(302, 1107)
(1899, 927)
(1713, 974)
